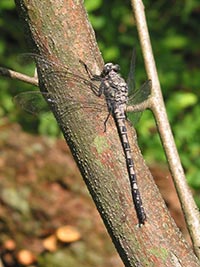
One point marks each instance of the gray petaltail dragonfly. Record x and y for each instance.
(117, 94)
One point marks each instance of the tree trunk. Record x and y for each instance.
(60, 32)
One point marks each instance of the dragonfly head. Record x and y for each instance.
(109, 67)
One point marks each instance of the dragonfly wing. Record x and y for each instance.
(55, 70)
(32, 102)
(141, 95)
(131, 75)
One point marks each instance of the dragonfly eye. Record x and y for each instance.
(109, 67)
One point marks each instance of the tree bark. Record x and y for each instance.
(60, 32)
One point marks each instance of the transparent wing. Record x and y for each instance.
(59, 76)
(34, 103)
(139, 96)
(131, 75)
(60, 71)
(136, 96)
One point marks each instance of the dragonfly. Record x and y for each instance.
(117, 96)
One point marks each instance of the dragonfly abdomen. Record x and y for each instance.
(121, 127)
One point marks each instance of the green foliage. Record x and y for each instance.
(175, 35)
(7, 5)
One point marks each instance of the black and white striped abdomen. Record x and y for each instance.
(120, 119)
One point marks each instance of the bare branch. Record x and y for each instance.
(18, 76)
(140, 107)
(189, 207)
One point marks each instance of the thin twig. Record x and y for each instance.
(189, 207)
(18, 76)
(140, 107)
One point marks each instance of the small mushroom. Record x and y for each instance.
(25, 257)
(50, 243)
(9, 244)
(68, 234)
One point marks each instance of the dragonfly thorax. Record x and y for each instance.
(114, 88)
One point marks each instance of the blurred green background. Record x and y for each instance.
(175, 35)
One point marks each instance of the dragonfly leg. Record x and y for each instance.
(93, 77)
(87, 69)
(105, 122)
